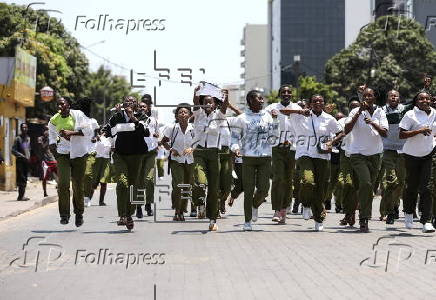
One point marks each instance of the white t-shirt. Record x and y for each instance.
(180, 141)
(208, 128)
(419, 145)
(153, 127)
(286, 130)
(346, 140)
(325, 126)
(255, 134)
(365, 139)
(94, 126)
(103, 147)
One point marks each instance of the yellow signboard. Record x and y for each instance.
(24, 77)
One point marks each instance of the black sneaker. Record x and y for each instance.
(139, 213)
(129, 223)
(193, 213)
(390, 219)
(79, 220)
(64, 220)
(338, 208)
(397, 213)
(363, 226)
(102, 204)
(148, 209)
(328, 205)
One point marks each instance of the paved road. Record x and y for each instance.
(185, 261)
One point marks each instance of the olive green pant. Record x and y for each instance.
(160, 167)
(89, 175)
(392, 182)
(127, 170)
(314, 178)
(255, 180)
(147, 175)
(181, 173)
(333, 187)
(283, 165)
(101, 171)
(206, 174)
(225, 174)
(296, 185)
(347, 185)
(366, 169)
(433, 184)
(74, 170)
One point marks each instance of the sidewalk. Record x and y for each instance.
(10, 207)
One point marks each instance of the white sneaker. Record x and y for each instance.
(289, 210)
(247, 226)
(319, 226)
(213, 225)
(87, 201)
(160, 178)
(254, 214)
(427, 228)
(408, 221)
(307, 212)
(201, 212)
(276, 216)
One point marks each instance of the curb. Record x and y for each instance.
(37, 204)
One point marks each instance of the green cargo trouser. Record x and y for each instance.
(296, 185)
(74, 170)
(347, 185)
(206, 173)
(255, 175)
(147, 175)
(181, 174)
(160, 167)
(314, 178)
(433, 184)
(366, 169)
(333, 184)
(393, 181)
(89, 175)
(237, 182)
(283, 165)
(101, 171)
(127, 168)
(225, 174)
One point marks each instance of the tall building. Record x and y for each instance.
(255, 58)
(304, 34)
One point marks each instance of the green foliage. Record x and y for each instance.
(400, 57)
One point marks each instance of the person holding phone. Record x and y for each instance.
(367, 125)
(130, 149)
(315, 130)
(418, 127)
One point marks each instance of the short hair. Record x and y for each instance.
(146, 98)
(316, 95)
(182, 105)
(283, 86)
(84, 104)
(251, 94)
(22, 124)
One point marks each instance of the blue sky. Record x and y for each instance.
(198, 34)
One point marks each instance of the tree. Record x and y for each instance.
(397, 51)
(60, 62)
(106, 90)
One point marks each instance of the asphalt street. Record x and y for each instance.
(41, 259)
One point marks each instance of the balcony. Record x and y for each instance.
(243, 64)
(242, 75)
(243, 53)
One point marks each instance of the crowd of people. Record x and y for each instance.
(306, 153)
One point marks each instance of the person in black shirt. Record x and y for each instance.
(129, 153)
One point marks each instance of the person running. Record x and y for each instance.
(128, 156)
(208, 121)
(69, 134)
(160, 161)
(348, 184)
(418, 128)
(367, 125)
(147, 172)
(49, 164)
(178, 140)
(101, 171)
(21, 150)
(254, 135)
(393, 159)
(315, 130)
(283, 156)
